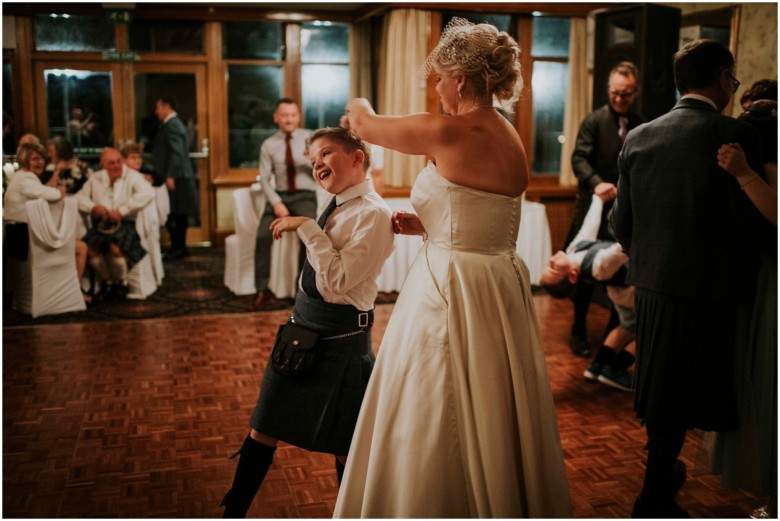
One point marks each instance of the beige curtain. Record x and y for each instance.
(577, 97)
(361, 63)
(400, 91)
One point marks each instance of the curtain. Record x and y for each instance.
(400, 90)
(361, 60)
(577, 97)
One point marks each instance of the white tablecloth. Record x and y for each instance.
(533, 245)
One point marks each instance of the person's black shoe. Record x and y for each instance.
(579, 346)
(121, 291)
(644, 509)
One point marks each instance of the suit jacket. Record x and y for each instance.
(170, 158)
(594, 161)
(688, 228)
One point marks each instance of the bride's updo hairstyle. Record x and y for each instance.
(489, 59)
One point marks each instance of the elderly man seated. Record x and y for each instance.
(113, 197)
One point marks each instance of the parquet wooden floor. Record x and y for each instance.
(137, 419)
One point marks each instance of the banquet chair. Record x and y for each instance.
(240, 249)
(47, 283)
(147, 275)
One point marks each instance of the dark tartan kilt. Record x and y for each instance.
(126, 237)
(685, 362)
(318, 411)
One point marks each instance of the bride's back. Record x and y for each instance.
(484, 152)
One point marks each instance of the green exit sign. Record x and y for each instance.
(119, 16)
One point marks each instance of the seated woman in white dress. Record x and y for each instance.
(458, 419)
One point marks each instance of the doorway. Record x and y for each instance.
(102, 104)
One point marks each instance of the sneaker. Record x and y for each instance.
(593, 371)
(618, 379)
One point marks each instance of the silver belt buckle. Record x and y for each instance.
(363, 319)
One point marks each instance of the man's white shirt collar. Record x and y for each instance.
(352, 192)
(701, 98)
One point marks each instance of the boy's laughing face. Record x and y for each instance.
(334, 168)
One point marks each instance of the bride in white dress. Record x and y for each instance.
(458, 419)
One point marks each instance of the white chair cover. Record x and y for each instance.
(240, 248)
(143, 279)
(52, 260)
(162, 203)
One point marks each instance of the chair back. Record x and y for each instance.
(246, 217)
(55, 286)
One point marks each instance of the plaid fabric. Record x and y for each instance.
(126, 237)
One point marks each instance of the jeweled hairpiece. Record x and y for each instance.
(461, 45)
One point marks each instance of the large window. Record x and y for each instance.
(325, 73)
(259, 59)
(64, 32)
(549, 53)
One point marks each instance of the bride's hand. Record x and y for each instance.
(407, 224)
(356, 108)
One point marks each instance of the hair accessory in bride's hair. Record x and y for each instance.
(460, 45)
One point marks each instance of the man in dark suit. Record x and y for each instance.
(171, 161)
(687, 229)
(594, 162)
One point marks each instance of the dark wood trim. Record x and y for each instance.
(396, 191)
(551, 8)
(23, 73)
(234, 177)
(292, 65)
(550, 191)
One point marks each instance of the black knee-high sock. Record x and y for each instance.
(339, 470)
(663, 447)
(253, 465)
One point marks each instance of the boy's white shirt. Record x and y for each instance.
(607, 261)
(348, 255)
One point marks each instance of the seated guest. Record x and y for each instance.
(592, 260)
(132, 155)
(66, 168)
(25, 186)
(113, 197)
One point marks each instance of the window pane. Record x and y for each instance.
(500, 21)
(78, 106)
(551, 37)
(252, 94)
(549, 85)
(325, 93)
(325, 42)
(166, 36)
(73, 33)
(9, 139)
(256, 40)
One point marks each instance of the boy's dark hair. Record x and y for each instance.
(762, 89)
(346, 138)
(285, 100)
(564, 288)
(700, 63)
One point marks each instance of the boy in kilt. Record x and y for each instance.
(345, 249)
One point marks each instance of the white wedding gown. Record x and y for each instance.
(458, 419)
